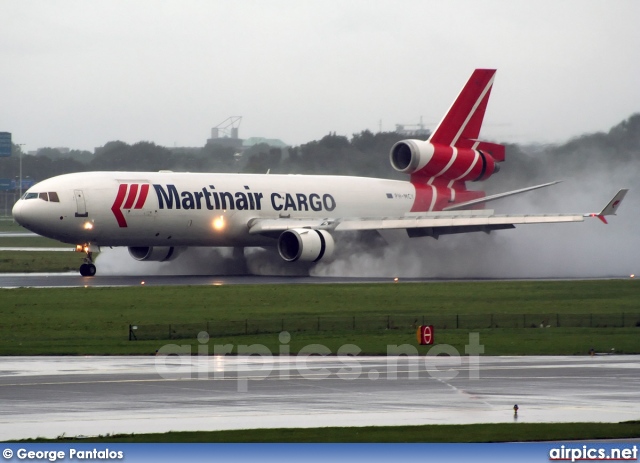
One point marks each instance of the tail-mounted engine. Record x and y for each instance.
(305, 244)
(422, 158)
(155, 253)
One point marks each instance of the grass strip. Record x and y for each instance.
(32, 242)
(476, 433)
(95, 320)
(8, 225)
(38, 261)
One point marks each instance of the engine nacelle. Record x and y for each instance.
(155, 253)
(420, 157)
(305, 244)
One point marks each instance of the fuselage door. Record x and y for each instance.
(81, 207)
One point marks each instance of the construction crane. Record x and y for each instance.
(227, 128)
(413, 129)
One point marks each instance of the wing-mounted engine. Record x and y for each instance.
(423, 158)
(155, 253)
(305, 244)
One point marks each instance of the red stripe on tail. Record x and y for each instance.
(461, 125)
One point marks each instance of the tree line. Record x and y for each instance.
(364, 154)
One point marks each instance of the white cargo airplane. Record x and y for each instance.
(158, 214)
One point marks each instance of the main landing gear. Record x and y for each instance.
(88, 268)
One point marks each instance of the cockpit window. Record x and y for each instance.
(50, 196)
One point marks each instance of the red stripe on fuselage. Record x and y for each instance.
(117, 204)
(144, 191)
(445, 195)
(423, 198)
(133, 192)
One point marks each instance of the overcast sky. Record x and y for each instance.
(82, 73)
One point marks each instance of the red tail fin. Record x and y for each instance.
(460, 127)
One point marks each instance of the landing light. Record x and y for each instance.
(218, 223)
(88, 226)
(632, 276)
(82, 248)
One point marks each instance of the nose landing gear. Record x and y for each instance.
(88, 268)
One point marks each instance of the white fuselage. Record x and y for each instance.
(196, 209)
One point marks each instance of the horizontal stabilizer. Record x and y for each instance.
(486, 199)
(496, 151)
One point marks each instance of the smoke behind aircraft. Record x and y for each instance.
(589, 249)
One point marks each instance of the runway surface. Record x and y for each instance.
(99, 395)
(74, 280)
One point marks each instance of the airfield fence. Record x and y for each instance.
(402, 323)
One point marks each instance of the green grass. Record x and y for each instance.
(149, 304)
(8, 225)
(32, 242)
(37, 261)
(84, 340)
(34, 261)
(507, 432)
(95, 320)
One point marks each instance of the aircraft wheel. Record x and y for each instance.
(87, 270)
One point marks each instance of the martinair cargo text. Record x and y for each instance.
(158, 214)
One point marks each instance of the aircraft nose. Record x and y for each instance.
(16, 212)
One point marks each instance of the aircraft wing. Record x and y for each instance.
(429, 223)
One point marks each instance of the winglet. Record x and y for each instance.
(611, 208)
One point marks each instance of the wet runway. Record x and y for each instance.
(100, 395)
(74, 280)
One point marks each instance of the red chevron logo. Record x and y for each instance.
(130, 196)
